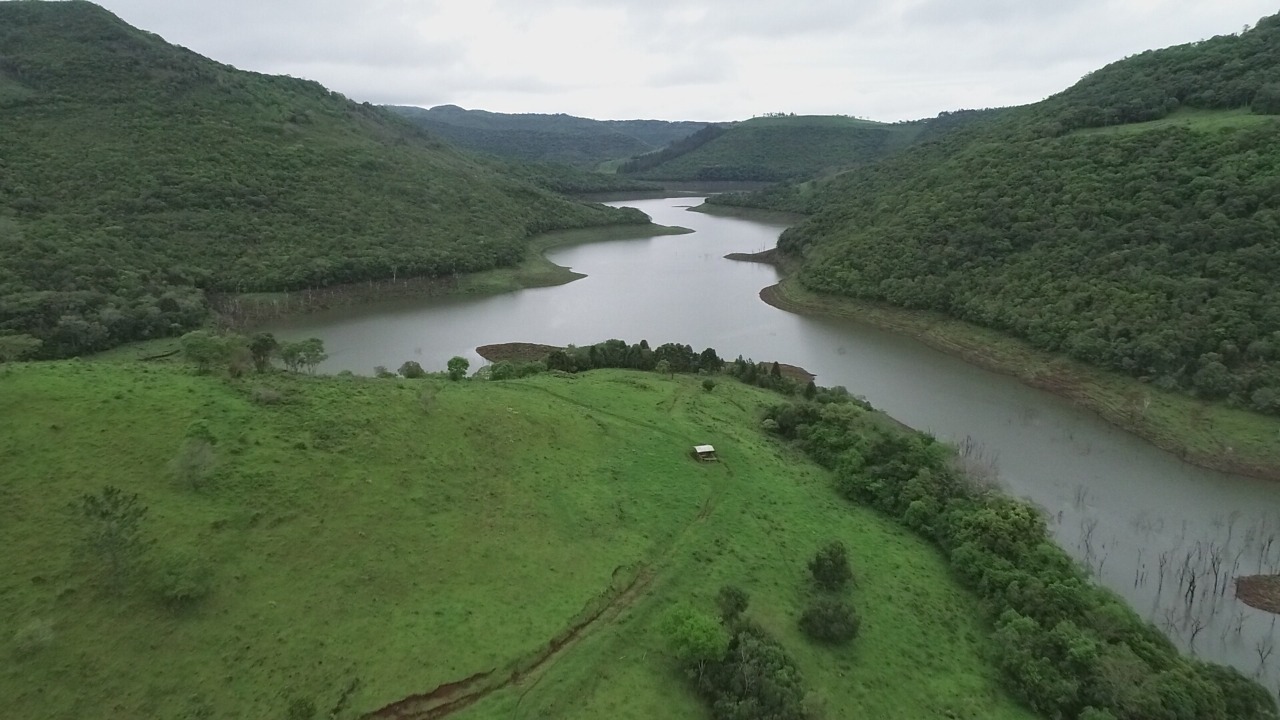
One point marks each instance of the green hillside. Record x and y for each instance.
(778, 148)
(1149, 247)
(546, 138)
(355, 545)
(135, 176)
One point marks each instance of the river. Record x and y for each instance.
(1167, 536)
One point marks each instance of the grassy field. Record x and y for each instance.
(1190, 118)
(1207, 434)
(368, 544)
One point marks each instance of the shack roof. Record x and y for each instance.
(703, 449)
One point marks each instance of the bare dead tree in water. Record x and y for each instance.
(1195, 625)
(1263, 647)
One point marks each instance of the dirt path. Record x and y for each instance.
(451, 697)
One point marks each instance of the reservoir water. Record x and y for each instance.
(1167, 536)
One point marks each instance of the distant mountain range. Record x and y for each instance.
(547, 138)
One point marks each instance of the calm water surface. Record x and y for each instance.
(1148, 526)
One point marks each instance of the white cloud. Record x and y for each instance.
(687, 59)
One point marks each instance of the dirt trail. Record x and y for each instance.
(454, 696)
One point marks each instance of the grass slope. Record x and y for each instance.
(356, 536)
(783, 148)
(134, 175)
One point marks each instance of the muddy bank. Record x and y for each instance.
(1260, 591)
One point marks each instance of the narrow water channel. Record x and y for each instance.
(1167, 536)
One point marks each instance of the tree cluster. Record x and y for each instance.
(210, 351)
(618, 354)
(740, 670)
(1068, 648)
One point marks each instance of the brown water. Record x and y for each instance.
(1145, 523)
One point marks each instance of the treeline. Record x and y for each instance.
(547, 137)
(137, 175)
(1224, 72)
(669, 358)
(1068, 648)
(774, 149)
(680, 147)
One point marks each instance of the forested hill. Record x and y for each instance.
(135, 175)
(775, 148)
(1150, 247)
(547, 138)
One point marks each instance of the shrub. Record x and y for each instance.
(381, 371)
(830, 566)
(195, 462)
(708, 384)
(502, 370)
(695, 638)
(457, 367)
(830, 620)
(181, 580)
(411, 369)
(732, 602)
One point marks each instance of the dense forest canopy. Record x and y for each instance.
(547, 138)
(1150, 248)
(135, 175)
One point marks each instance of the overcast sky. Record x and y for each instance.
(688, 59)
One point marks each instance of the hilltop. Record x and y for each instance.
(547, 138)
(1131, 222)
(775, 148)
(268, 544)
(136, 176)
(361, 541)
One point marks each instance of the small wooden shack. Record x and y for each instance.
(705, 453)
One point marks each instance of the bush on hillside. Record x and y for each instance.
(830, 566)
(830, 620)
(411, 369)
(732, 601)
(181, 580)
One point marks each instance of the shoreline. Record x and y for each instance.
(1207, 435)
(246, 311)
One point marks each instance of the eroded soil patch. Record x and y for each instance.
(1260, 591)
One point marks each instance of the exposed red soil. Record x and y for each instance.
(516, 352)
(1260, 591)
